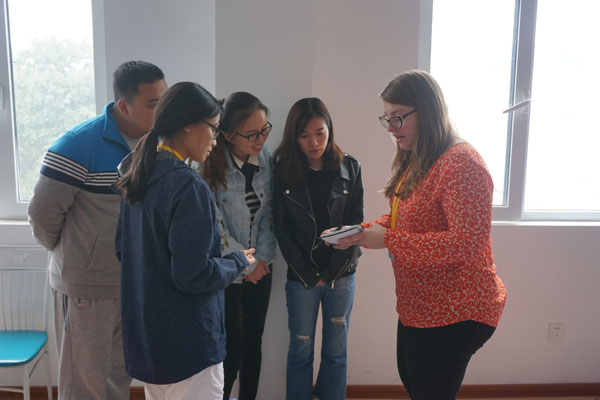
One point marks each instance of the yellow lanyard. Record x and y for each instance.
(396, 202)
(170, 150)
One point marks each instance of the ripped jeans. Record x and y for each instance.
(303, 309)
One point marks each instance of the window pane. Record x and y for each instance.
(53, 76)
(563, 163)
(471, 58)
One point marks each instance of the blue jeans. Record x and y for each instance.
(303, 308)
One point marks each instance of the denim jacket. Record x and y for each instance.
(234, 216)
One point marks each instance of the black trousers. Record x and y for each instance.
(432, 361)
(246, 307)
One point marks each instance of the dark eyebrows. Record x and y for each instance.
(318, 130)
(399, 111)
(261, 129)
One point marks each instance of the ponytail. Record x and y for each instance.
(134, 181)
(183, 104)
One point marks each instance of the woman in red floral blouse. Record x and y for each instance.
(449, 298)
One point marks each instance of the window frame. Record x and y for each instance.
(518, 126)
(10, 207)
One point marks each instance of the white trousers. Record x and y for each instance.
(205, 385)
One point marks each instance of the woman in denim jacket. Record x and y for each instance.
(239, 173)
(316, 186)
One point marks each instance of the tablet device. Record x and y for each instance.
(332, 237)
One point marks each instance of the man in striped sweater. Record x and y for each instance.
(74, 213)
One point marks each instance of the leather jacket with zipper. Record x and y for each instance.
(296, 227)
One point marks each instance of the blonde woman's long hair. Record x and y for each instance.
(435, 134)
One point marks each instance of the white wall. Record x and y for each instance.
(265, 47)
(179, 37)
(551, 274)
(359, 47)
(345, 51)
(356, 48)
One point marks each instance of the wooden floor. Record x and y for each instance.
(137, 393)
(15, 396)
(544, 398)
(533, 398)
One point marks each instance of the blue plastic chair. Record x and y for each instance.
(23, 324)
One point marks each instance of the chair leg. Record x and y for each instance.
(48, 376)
(26, 383)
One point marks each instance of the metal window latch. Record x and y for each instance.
(522, 104)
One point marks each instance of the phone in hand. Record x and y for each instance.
(342, 232)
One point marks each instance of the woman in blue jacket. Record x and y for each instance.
(316, 186)
(173, 274)
(239, 173)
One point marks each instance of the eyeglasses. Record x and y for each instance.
(216, 131)
(396, 122)
(253, 136)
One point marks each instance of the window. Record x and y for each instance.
(474, 98)
(538, 60)
(46, 86)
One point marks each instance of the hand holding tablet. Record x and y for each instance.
(332, 236)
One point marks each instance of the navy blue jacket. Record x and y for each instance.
(172, 277)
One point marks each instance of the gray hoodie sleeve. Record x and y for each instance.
(48, 208)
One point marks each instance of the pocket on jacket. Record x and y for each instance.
(226, 197)
(338, 206)
(226, 201)
(99, 253)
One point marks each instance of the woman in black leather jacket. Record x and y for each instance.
(316, 186)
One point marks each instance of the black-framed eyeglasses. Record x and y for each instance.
(216, 131)
(396, 122)
(253, 136)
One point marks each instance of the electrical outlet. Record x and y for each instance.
(556, 332)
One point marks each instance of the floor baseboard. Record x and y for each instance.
(482, 391)
(398, 392)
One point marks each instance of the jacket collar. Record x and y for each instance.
(345, 174)
(111, 130)
(165, 163)
(234, 164)
(253, 159)
(302, 195)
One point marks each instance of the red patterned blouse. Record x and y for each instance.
(441, 247)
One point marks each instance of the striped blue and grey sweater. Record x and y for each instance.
(74, 211)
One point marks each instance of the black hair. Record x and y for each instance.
(289, 158)
(237, 108)
(183, 104)
(129, 75)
